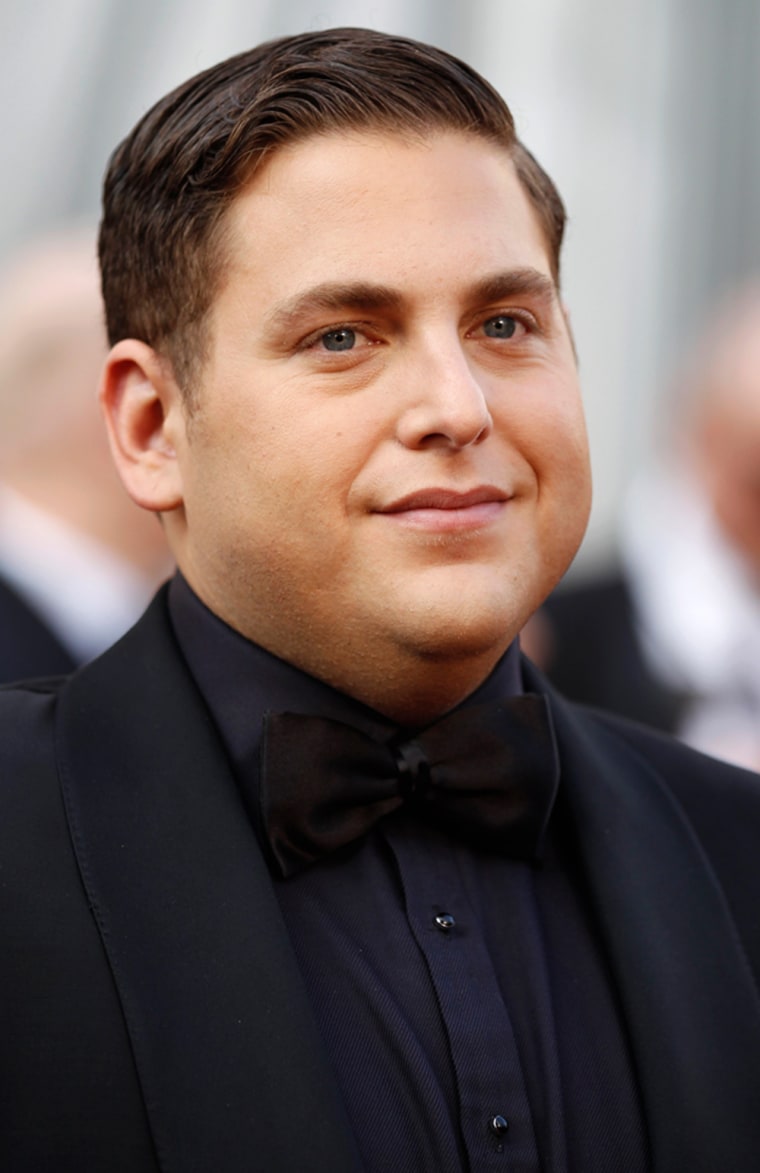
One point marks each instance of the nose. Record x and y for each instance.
(447, 405)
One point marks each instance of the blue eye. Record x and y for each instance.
(502, 326)
(343, 339)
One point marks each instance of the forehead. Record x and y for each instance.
(383, 207)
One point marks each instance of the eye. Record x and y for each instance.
(501, 326)
(343, 338)
(340, 345)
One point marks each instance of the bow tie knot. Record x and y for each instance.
(413, 769)
(487, 773)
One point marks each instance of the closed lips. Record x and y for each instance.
(445, 499)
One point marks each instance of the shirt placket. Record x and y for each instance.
(495, 1116)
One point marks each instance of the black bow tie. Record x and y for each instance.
(488, 773)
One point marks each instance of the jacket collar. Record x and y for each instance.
(687, 991)
(233, 1071)
(228, 1055)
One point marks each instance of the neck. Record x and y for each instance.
(410, 692)
(397, 675)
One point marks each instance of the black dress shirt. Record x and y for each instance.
(463, 997)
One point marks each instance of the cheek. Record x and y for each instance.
(551, 436)
(563, 474)
(289, 496)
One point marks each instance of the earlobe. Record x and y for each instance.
(144, 418)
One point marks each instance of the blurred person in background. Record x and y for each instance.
(671, 636)
(78, 560)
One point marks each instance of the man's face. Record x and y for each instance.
(387, 465)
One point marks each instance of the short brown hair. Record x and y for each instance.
(171, 180)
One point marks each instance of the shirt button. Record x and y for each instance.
(499, 1125)
(445, 922)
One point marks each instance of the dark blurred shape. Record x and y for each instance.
(78, 560)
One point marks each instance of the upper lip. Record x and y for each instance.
(444, 499)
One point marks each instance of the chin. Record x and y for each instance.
(463, 631)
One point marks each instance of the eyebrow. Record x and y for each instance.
(525, 282)
(333, 296)
(367, 297)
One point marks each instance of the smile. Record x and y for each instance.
(443, 510)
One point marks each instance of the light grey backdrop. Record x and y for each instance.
(646, 112)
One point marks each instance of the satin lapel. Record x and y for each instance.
(230, 1061)
(687, 991)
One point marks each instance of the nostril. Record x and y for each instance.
(449, 429)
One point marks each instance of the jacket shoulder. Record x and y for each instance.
(720, 803)
(698, 781)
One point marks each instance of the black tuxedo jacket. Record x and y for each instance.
(27, 645)
(153, 1015)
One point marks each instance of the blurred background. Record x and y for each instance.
(645, 112)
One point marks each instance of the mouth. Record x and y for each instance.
(442, 510)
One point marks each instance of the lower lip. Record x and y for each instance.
(473, 517)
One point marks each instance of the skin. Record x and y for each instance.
(387, 468)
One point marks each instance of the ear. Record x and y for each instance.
(145, 420)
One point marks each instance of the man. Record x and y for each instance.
(331, 880)
(671, 636)
(78, 561)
